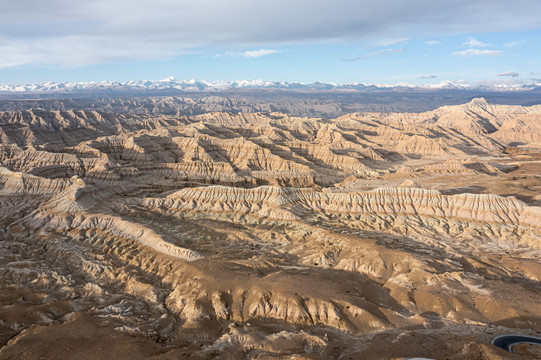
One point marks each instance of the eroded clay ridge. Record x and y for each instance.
(16, 183)
(289, 204)
(498, 122)
(248, 150)
(212, 230)
(503, 121)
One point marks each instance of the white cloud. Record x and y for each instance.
(375, 53)
(250, 53)
(509, 73)
(259, 53)
(478, 52)
(472, 43)
(474, 50)
(433, 42)
(514, 43)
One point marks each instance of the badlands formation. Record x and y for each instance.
(268, 236)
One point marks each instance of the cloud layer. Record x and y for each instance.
(77, 32)
(478, 52)
(250, 53)
(509, 73)
(473, 43)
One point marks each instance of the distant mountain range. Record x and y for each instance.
(218, 86)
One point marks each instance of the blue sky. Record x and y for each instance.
(391, 41)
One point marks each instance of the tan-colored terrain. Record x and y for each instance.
(266, 236)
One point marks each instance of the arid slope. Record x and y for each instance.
(261, 235)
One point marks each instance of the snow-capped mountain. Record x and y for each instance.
(217, 86)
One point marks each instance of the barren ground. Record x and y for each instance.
(267, 236)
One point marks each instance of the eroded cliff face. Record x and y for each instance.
(264, 235)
